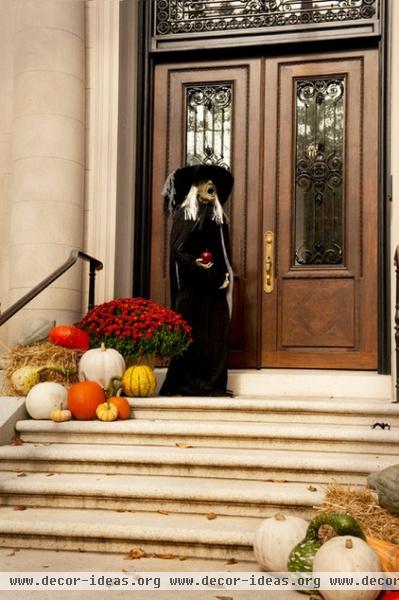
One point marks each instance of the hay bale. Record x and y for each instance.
(361, 503)
(42, 354)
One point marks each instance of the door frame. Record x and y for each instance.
(147, 59)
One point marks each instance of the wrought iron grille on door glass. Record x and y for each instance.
(182, 17)
(208, 123)
(319, 171)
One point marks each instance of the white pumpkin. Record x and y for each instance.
(275, 538)
(101, 365)
(347, 554)
(44, 397)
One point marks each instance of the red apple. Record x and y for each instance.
(206, 257)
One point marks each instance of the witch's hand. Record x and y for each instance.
(200, 263)
(226, 282)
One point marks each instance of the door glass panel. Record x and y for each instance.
(208, 110)
(319, 175)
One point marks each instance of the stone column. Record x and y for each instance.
(48, 156)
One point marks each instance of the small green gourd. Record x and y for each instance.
(302, 555)
(320, 530)
(338, 523)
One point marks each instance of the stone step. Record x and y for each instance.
(159, 493)
(108, 531)
(243, 464)
(309, 383)
(267, 409)
(277, 436)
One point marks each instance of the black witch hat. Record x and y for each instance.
(179, 182)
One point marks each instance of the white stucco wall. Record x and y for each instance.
(42, 163)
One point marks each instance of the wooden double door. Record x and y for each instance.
(300, 135)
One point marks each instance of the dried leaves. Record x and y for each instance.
(211, 516)
(16, 441)
(137, 553)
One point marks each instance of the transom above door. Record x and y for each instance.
(300, 136)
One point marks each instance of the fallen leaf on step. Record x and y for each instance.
(312, 488)
(21, 475)
(181, 445)
(224, 597)
(50, 474)
(165, 556)
(19, 507)
(11, 553)
(120, 510)
(163, 512)
(134, 554)
(210, 516)
(231, 561)
(16, 441)
(275, 480)
(182, 557)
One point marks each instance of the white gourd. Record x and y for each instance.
(43, 398)
(101, 365)
(275, 538)
(347, 554)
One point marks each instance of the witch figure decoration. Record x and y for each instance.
(201, 278)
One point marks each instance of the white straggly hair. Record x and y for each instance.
(190, 206)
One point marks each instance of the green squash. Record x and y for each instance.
(302, 555)
(328, 525)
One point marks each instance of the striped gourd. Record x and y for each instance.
(139, 381)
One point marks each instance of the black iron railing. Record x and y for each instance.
(397, 324)
(94, 265)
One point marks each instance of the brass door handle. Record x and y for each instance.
(268, 261)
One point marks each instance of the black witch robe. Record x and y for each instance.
(196, 295)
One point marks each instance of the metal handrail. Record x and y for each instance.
(94, 265)
(396, 262)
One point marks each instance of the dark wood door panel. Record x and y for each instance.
(322, 315)
(309, 316)
(171, 82)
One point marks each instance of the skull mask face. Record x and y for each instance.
(207, 191)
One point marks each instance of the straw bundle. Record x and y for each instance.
(42, 354)
(361, 503)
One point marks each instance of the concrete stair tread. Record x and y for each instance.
(138, 526)
(204, 456)
(220, 429)
(189, 489)
(272, 403)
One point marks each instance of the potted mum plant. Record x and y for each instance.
(137, 328)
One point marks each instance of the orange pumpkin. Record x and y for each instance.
(387, 552)
(69, 336)
(83, 399)
(123, 406)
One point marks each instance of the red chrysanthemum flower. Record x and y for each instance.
(137, 327)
